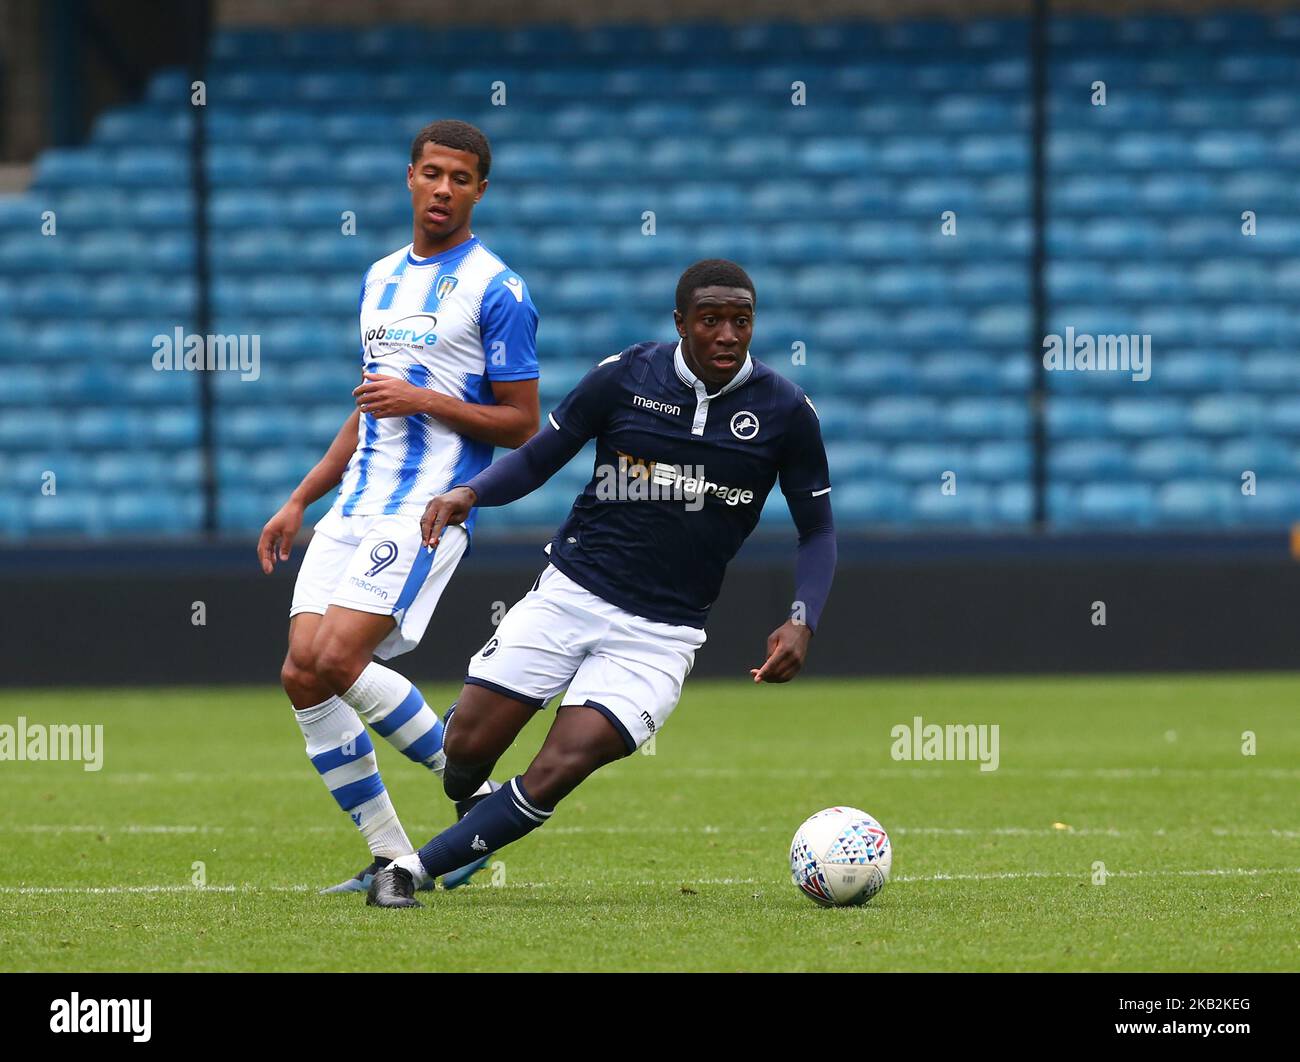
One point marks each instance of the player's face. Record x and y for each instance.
(716, 332)
(444, 187)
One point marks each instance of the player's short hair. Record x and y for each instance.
(457, 135)
(711, 273)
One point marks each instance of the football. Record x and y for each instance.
(840, 857)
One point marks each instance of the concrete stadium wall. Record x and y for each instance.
(900, 607)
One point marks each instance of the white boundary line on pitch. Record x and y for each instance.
(705, 831)
(918, 770)
(98, 890)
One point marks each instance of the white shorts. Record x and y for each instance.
(378, 564)
(561, 635)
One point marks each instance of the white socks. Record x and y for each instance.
(341, 751)
(395, 709)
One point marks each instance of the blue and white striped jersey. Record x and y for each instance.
(453, 322)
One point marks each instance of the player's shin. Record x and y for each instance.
(495, 821)
(396, 710)
(341, 751)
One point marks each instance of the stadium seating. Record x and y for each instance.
(913, 343)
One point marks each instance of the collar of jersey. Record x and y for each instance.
(451, 252)
(691, 380)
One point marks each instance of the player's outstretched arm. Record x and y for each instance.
(277, 536)
(503, 481)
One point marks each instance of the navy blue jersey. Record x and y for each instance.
(680, 476)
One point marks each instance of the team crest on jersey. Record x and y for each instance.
(446, 285)
(744, 425)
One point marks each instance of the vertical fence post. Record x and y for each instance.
(1038, 55)
(199, 20)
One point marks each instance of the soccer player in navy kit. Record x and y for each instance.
(690, 439)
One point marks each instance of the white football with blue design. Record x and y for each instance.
(840, 857)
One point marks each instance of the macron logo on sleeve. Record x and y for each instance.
(516, 287)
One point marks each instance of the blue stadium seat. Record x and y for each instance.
(1276, 503)
(1169, 458)
(959, 374)
(1215, 415)
(1271, 371)
(66, 515)
(1079, 460)
(243, 508)
(174, 428)
(869, 503)
(1013, 503)
(1254, 325)
(151, 513)
(160, 208)
(926, 461)
(1069, 417)
(1121, 505)
(851, 460)
(1146, 417)
(67, 167)
(891, 418)
(240, 165)
(1196, 371)
(150, 167)
(1283, 417)
(982, 418)
(133, 126)
(1194, 502)
(1003, 326)
(909, 153)
(970, 505)
(1002, 460)
(243, 209)
(1267, 457)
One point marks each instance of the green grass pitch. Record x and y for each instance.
(678, 861)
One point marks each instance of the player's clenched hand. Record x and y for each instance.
(278, 535)
(450, 508)
(787, 646)
(387, 396)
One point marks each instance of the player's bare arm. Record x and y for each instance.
(511, 422)
(277, 536)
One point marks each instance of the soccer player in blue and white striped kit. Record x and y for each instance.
(449, 371)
